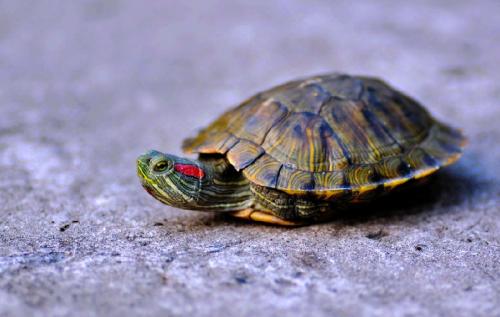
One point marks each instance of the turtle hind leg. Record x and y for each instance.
(262, 216)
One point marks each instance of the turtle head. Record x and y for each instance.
(170, 179)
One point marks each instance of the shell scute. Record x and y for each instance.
(295, 181)
(362, 140)
(266, 171)
(303, 141)
(244, 153)
(309, 98)
(343, 86)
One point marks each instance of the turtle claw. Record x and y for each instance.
(262, 216)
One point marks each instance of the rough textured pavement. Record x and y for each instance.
(86, 86)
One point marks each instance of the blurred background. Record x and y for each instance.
(87, 86)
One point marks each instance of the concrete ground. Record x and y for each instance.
(86, 86)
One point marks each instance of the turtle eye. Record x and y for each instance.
(160, 166)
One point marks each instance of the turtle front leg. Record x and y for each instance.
(262, 216)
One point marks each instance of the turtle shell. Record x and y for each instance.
(329, 134)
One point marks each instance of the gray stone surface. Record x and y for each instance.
(86, 86)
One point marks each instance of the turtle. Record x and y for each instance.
(302, 151)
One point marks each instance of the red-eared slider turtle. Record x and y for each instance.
(300, 151)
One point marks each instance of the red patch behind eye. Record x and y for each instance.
(189, 170)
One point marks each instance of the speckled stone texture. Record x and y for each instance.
(86, 86)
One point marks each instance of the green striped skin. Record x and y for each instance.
(221, 188)
(293, 207)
